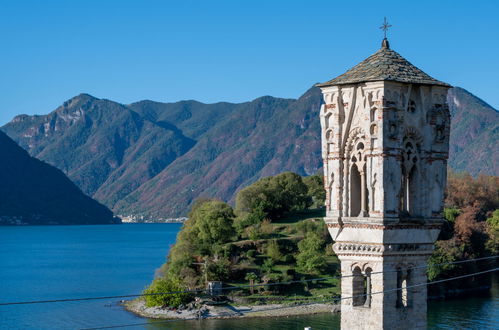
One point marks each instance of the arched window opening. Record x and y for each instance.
(374, 114)
(373, 191)
(412, 106)
(358, 288)
(411, 192)
(368, 287)
(328, 120)
(355, 191)
(403, 282)
(409, 188)
(329, 135)
(405, 192)
(365, 198)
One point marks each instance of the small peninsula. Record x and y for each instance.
(268, 252)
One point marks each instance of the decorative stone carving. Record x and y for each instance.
(385, 145)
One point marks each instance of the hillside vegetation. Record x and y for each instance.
(35, 193)
(471, 230)
(274, 236)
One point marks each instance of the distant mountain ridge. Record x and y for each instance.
(474, 134)
(155, 158)
(33, 192)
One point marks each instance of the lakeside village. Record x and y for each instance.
(145, 219)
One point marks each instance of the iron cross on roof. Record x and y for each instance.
(385, 26)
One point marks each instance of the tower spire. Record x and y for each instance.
(385, 27)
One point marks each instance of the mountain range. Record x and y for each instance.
(33, 192)
(154, 159)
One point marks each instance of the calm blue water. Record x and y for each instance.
(53, 262)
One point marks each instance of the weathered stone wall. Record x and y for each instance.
(396, 137)
(384, 146)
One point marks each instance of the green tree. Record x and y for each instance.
(315, 188)
(246, 219)
(165, 284)
(218, 269)
(493, 221)
(439, 262)
(492, 244)
(450, 214)
(251, 277)
(213, 222)
(310, 258)
(274, 195)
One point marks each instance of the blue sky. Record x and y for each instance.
(231, 51)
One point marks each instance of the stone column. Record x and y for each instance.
(363, 211)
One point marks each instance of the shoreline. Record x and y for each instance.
(138, 307)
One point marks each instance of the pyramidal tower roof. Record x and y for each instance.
(384, 65)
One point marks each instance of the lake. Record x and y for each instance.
(57, 262)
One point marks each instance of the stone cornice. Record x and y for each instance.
(383, 227)
(377, 249)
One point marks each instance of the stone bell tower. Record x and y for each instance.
(385, 141)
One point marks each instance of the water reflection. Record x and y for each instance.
(318, 321)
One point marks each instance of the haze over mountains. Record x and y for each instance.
(154, 159)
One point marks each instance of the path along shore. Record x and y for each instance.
(138, 307)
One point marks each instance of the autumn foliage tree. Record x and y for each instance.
(467, 233)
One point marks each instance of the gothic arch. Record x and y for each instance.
(404, 282)
(329, 135)
(358, 287)
(327, 118)
(356, 184)
(413, 134)
(361, 284)
(411, 169)
(355, 135)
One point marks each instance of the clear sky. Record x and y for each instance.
(233, 51)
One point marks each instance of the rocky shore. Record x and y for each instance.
(138, 307)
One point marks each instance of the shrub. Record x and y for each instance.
(166, 284)
(251, 253)
(273, 251)
(253, 232)
(289, 259)
(305, 227)
(266, 227)
(268, 266)
(246, 219)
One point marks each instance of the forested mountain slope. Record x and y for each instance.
(155, 158)
(34, 192)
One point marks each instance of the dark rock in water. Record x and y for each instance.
(35, 193)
